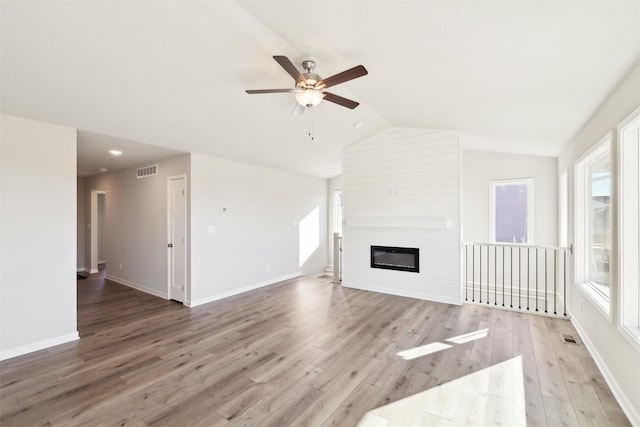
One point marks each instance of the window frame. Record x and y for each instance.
(582, 228)
(337, 212)
(563, 208)
(493, 184)
(629, 277)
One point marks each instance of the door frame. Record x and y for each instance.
(187, 290)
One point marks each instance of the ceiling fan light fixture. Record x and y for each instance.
(309, 86)
(309, 97)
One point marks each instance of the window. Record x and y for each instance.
(629, 224)
(599, 211)
(593, 232)
(512, 211)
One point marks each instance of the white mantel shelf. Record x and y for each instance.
(425, 223)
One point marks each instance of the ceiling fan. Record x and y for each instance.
(310, 88)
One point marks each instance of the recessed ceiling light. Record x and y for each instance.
(103, 169)
(358, 124)
(115, 152)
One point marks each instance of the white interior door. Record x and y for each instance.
(94, 227)
(177, 238)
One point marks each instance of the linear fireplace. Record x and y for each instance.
(394, 258)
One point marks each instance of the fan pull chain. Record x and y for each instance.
(311, 124)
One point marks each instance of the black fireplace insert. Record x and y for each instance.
(394, 258)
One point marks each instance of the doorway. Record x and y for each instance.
(177, 235)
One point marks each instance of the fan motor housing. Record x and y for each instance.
(310, 80)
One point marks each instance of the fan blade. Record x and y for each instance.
(255, 91)
(340, 100)
(298, 110)
(289, 67)
(336, 79)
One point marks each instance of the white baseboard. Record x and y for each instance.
(40, 345)
(93, 271)
(241, 290)
(137, 286)
(618, 393)
(81, 270)
(404, 293)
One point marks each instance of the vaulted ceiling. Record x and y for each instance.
(512, 75)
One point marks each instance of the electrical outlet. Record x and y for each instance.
(120, 265)
(268, 267)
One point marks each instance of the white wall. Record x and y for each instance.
(38, 229)
(135, 229)
(256, 240)
(402, 188)
(480, 167)
(616, 357)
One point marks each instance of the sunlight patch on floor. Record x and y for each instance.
(434, 347)
(414, 353)
(471, 336)
(490, 397)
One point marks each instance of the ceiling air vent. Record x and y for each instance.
(148, 171)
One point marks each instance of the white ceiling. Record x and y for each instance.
(93, 153)
(513, 75)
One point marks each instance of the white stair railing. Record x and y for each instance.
(518, 277)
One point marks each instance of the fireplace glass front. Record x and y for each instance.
(395, 258)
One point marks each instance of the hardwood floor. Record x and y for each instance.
(304, 352)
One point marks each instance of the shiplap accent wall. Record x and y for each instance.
(402, 188)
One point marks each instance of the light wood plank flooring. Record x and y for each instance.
(304, 352)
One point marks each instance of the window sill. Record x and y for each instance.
(601, 303)
(513, 243)
(632, 334)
